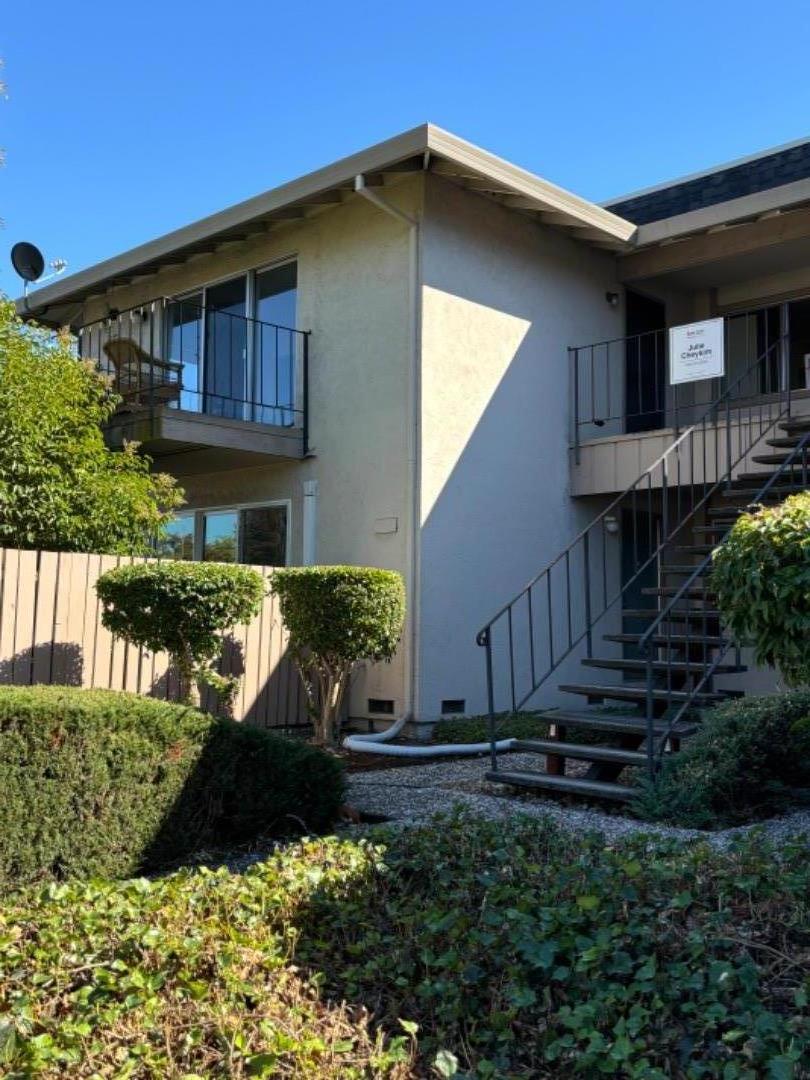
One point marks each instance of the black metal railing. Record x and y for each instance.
(688, 606)
(555, 614)
(176, 354)
(622, 385)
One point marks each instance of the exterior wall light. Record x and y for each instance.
(611, 525)
(612, 298)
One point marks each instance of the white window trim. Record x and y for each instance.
(197, 512)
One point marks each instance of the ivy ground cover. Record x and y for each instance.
(460, 948)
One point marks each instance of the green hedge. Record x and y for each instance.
(474, 729)
(746, 762)
(488, 950)
(97, 782)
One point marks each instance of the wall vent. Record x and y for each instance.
(381, 705)
(453, 705)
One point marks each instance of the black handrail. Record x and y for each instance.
(657, 741)
(602, 372)
(586, 561)
(268, 384)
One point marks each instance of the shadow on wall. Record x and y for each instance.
(59, 663)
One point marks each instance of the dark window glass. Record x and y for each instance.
(264, 535)
(274, 365)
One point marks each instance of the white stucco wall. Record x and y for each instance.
(353, 275)
(503, 298)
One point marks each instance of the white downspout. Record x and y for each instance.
(378, 743)
(309, 522)
(412, 702)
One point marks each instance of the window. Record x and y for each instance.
(257, 535)
(178, 543)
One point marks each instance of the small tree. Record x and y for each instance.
(182, 609)
(337, 616)
(61, 488)
(761, 576)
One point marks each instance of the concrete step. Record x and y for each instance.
(682, 667)
(627, 724)
(679, 640)
(582, 751)
(567, 784)
(678, 615)
(629, 692)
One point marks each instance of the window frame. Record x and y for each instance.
(198, 513)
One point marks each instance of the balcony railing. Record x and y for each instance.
(174, 354)
(622, 386)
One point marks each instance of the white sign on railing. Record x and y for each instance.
(696, 351)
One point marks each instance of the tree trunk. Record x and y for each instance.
(189, 687)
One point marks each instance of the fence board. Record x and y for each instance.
(51, 632)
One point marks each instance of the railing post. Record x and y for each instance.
(573, 353)
(305, 389)
(588, 632)
(649, 708)
(485, 639)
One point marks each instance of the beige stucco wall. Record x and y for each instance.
(353, 289)
(503, 298)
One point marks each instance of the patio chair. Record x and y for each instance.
(142, 379)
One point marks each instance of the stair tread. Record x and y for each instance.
(694, 593)
(669, 639)
(697, 549)
(799, 424)
(629, 692)
(571, 784)
(660, 665)
(786, 442)
(717, 527)
(744, 479)
(684, 568)
(624, 724)
(582, 751)
(777, 491)
(651, 613)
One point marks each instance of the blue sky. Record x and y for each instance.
(126, 120)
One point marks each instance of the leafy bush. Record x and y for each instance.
(337, 616)
(474, 729)
(745, 762)
(485, 949)
(183, 609)
(101, 782)
(761, 575)
(61, 488)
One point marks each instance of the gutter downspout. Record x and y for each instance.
(412, 703)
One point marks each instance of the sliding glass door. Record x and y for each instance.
(235, 347)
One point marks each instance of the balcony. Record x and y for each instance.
(626, 412)
(218, 388)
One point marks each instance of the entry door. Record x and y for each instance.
(645, 368)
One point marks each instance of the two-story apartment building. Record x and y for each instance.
(425, 358)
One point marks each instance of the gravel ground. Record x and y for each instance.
(411, 795)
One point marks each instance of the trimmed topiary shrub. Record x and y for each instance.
(183, 609)
(746, 762)
(103, 783)
(337, 616)
(761, 575)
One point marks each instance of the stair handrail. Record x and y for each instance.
(656, 741)
(672, 453)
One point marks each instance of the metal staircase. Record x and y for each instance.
(660, 663)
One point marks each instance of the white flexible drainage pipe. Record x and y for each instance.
(377, 743)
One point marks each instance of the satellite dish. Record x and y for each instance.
(28, 261)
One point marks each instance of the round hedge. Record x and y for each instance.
(345, 613)
(103, 783)
(761, 575)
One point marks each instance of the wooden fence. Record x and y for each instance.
(51, 632)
